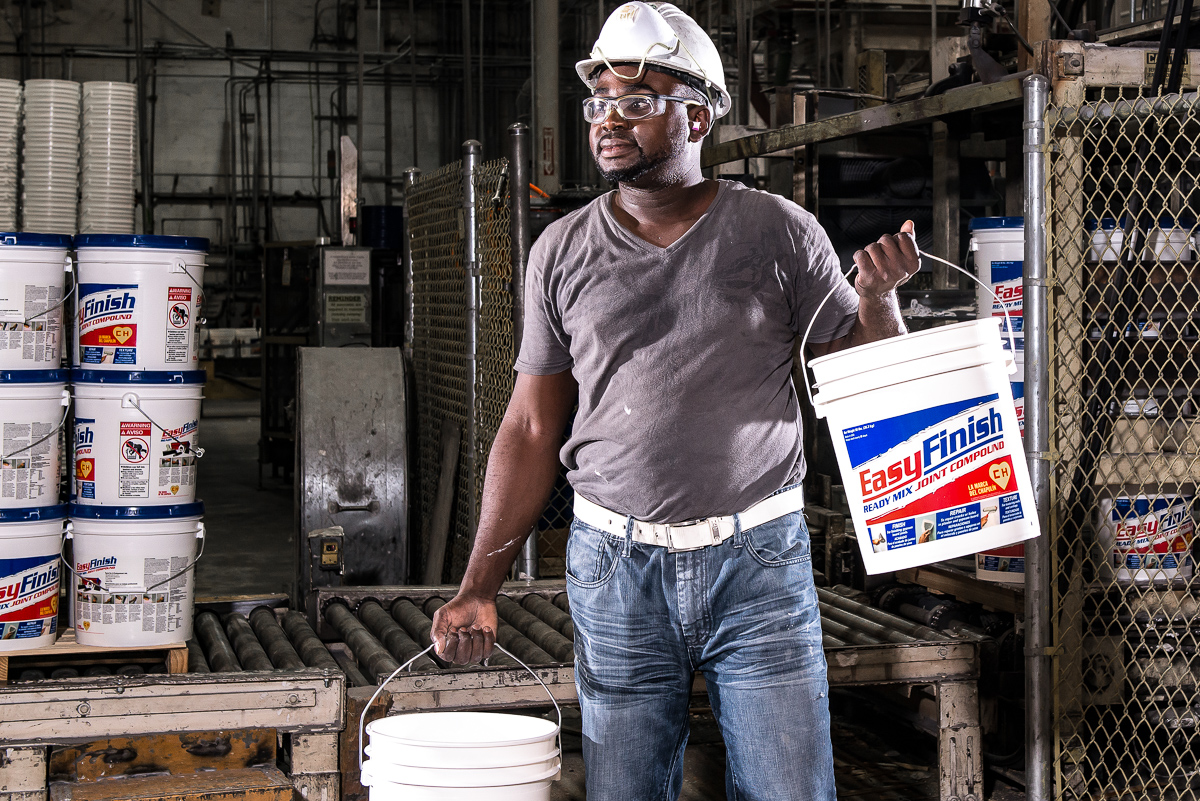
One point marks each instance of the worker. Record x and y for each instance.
(667, 310)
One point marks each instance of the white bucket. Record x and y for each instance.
(999, 247)
(930, 450)
(136, 437)
(1146, 538)
(133, 575)
(30, 542)
(1018, 389)
(1106, 240)
(140, 299)
(1002, 565)
(1168, 242)
(33, 277)
(32, 410)
(472, 756)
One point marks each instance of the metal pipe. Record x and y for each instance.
(877, 630)
(539, 632)
(563, 602)
(831, 642)
(833, 598)
(394, 638)
(472, 153)
(145, 165)
(249, 651)
(211, 635)
(196, 661)
(521, 646)
(274, 641)
(369, 652)
(355, 676)
(415, 622)
(742, 25)
(546, 122)
(412, 75)
(410, 303)
(305, 640)
(847, 634)
(1039, 741)
(359, 16)
(551, 614)
(468, 98)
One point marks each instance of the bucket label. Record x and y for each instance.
(28, 597)
(178, 349)
(29, 334)
(108, 323)
(28, 475)
(118, 593)
(85, 462)
(934, 473)
(177, 460)
(1006, 283)
(1018, 391)
(1007, 561)
(133, 476)
(1148, 534)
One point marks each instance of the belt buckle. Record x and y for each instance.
(714, 529)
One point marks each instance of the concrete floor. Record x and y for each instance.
(248, 548)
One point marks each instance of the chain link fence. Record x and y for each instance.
(1125, 444)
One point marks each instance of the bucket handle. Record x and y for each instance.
(68, 266)
(70, 535)
(181, 266)
(363, 717)
(66, 402)
(804, 340)
(130, 400)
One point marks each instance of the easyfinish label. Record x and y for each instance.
(1149, 532)
(1007, 284)
(28, 597)
(108, 323)
(935, 473)
(85, 462)
(177, 460)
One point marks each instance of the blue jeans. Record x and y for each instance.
(744, 613)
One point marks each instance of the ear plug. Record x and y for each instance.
(696, 125)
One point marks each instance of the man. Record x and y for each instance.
(667, 310)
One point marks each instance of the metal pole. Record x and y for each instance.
(412, 74)
(410, 305)
(468, 84)
(472, 153)
(519, 153)
(143, 134)
(743, 61)
(547, 172)
(359, 112)
(1039, 743)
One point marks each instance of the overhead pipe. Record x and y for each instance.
(144, 154)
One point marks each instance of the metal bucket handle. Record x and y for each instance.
(179, 265)
(66, 402)
(69, 267)
(130, 400)
(70, 535)
(363, 717)
(804, 340)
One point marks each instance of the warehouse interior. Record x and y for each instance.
(336, 203)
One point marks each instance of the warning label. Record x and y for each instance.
(179, 328)
(133, 478)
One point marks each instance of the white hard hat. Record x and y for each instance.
(658, 35)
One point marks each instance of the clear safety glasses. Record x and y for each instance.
(630, 107)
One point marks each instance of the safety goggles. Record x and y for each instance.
(630, 107)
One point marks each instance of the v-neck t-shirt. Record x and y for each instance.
(683, 354)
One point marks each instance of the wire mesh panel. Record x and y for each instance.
(1125, 443)
(439, 339)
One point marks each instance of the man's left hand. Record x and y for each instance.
(888, 263)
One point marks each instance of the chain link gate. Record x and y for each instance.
(1124, 373)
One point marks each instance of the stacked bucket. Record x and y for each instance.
(107, 155)
(33, 409)
(50, 157)
(998, 245)
(134, 518)
(10, 126)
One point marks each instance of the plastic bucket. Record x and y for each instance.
(33, 277)
(465, 777)
(140, 299)
(32, 410)
(1146, 538)
(136, 439)
(1002, 565)
(462, 740)
(929, 449)
(382, 790)
(30, 542)
(133, 576)
(999, 247)
(1018, 389)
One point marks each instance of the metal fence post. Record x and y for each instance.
(472, 153)
(1039, 744)
(519, 154)
(410, 301)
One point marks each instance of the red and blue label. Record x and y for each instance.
(934, 473)
(108, 323)
(85, 461)
(1007, 284)
(28, 597)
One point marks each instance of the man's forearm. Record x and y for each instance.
(878, 318)
(520, 475)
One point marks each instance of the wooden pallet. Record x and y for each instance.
(66, 652)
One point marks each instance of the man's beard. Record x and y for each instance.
(639, 168)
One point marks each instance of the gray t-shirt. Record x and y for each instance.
(683, 354)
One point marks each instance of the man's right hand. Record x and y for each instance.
(464, 630)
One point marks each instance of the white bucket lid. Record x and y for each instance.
(890, 376)
(906, 348)
(38, 514)
(463, 729)
(463, 777)
(178, 511)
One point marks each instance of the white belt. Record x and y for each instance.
(691, 535)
